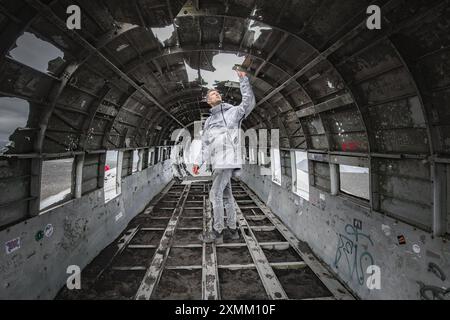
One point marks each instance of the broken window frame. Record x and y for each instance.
(156, 156)
(135, 164)
(264, 158)
(264, 164)
(165, 152)
(349, 194)
(273, 165)
(151, 155)
(34, 42)
(305, 193)
(66, 199)
(118, 178)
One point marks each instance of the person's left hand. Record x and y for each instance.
(196, 169)
(241, 74)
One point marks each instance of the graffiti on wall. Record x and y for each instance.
(352, 252)
(350, 146)
(429, 292)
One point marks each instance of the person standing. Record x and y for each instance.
(221, 146)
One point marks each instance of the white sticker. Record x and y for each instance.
(386, 229)
(119, 215)
(416, 248)
(322, 196)
(12, 245)
(48, 231)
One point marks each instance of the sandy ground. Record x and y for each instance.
(356, 184)
(187, 283)
(56, 183)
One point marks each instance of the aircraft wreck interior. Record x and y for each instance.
(351, 202)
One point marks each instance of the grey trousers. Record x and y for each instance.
(221, 198)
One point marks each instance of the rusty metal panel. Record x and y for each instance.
(56, 142)
(20, 80)
(405, 113)
(324, 85)
(401, 141)
(414, 169)
(440, 101)
(91, 172)
(84, 79)
(155, 12)
(94, 142)
(107, 108)
(232, 30)
(415, 40)
(299, 98)
(346, 129)
(399, 126)
(350, 142)
(15, 184)
(370, 62)
(343, 120)
(75, 99)
(329, 18)
(272, 75)
(405, 189)
(321, 173)
(415, 214)
(124, 48)
(188, 30)
(126, 163)
(211, 28)
(390, 85)
(69, 121)
(318, 142)
(14, 179)
(294, 52)
(114, 95)
(313, 125)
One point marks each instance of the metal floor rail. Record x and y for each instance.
(159, 255)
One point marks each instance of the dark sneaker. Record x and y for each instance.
(211, 236)
(232, 234)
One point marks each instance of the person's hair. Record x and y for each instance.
(209, 91)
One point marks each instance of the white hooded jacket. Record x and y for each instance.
(221, 139)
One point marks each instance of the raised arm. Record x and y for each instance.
(248, 98)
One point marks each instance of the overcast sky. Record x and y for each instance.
(223, 64)
(35, 52)
(13, 114)
(164, 33)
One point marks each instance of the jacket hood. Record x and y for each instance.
(216, 109)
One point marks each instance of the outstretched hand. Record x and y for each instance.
(241, 74)
(195, 169)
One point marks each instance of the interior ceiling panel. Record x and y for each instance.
(295, 52)
(232, 30)
(136, 64)
(370, 63)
